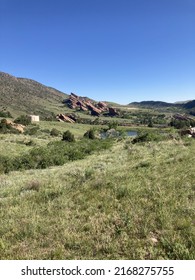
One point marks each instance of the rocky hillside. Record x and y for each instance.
(26, 96)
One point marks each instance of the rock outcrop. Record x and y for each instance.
(190, 132)
(112, 112)
(19, 127)
(102, 106)
(64, 118)
(84, 104)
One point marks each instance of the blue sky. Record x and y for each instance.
(116, 50)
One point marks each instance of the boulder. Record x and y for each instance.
(62, 117)
(190, 132)
(19, 127)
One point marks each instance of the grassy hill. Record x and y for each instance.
(25, 96)
(190, 105)
(127, 202)
(153, 104)
(186, 106)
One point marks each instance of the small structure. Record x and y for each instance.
(34, 118)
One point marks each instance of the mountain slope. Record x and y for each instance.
(186, 105)
(190, 105)
(154, 104)
(20, 95)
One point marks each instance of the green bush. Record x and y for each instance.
(54, 132)
(7, 128)
(150, 123)
(56, 153)
(68, 136)
(182, 123)
(5, 114)
(31, 130)
(23, 119)
(148, 136)
(89, 134)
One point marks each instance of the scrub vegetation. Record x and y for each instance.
(118, 198)
(86, 190)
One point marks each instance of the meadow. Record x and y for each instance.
(119, 201)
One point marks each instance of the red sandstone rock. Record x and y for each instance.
(62, 117)
(112, 111)
(84, 104)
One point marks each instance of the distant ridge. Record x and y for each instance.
(160, 104)
(154, 104)
(21, 95)
(189, 105)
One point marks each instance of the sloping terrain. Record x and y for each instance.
(187, 106)
(25, 96)
(128, 202)
(154, 104)
(190, 105)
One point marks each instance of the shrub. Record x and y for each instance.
(54, 132)
(5, 114)
(182, 123)
(113, 124)
(56, 153)
(150, 123)
(7, 128)
(31, 130)
(148, 136)
(90, 134)
(6, 164)
(68, 136)
(23, 119)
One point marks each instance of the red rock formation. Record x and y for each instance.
(84, 104)
(94, 111)
(102, 106)
(190, 131)
(112, 111)
(19, 127)
(62, 117)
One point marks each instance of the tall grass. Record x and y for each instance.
(126, 202)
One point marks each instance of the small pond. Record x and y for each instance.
(130, 133)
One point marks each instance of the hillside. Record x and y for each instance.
(154, 104)
(186, 105)
(190, 105)
(20, 95)
(126, 202)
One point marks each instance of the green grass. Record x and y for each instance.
(127, 202)
(77, 129)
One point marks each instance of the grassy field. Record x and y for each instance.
(126, 202)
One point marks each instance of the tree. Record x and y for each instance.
(113, 124)
(150, 123)
(23, 119)
(90, 134)
(68, 136)
(54, 132)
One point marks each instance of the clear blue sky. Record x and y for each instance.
(116, 50)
